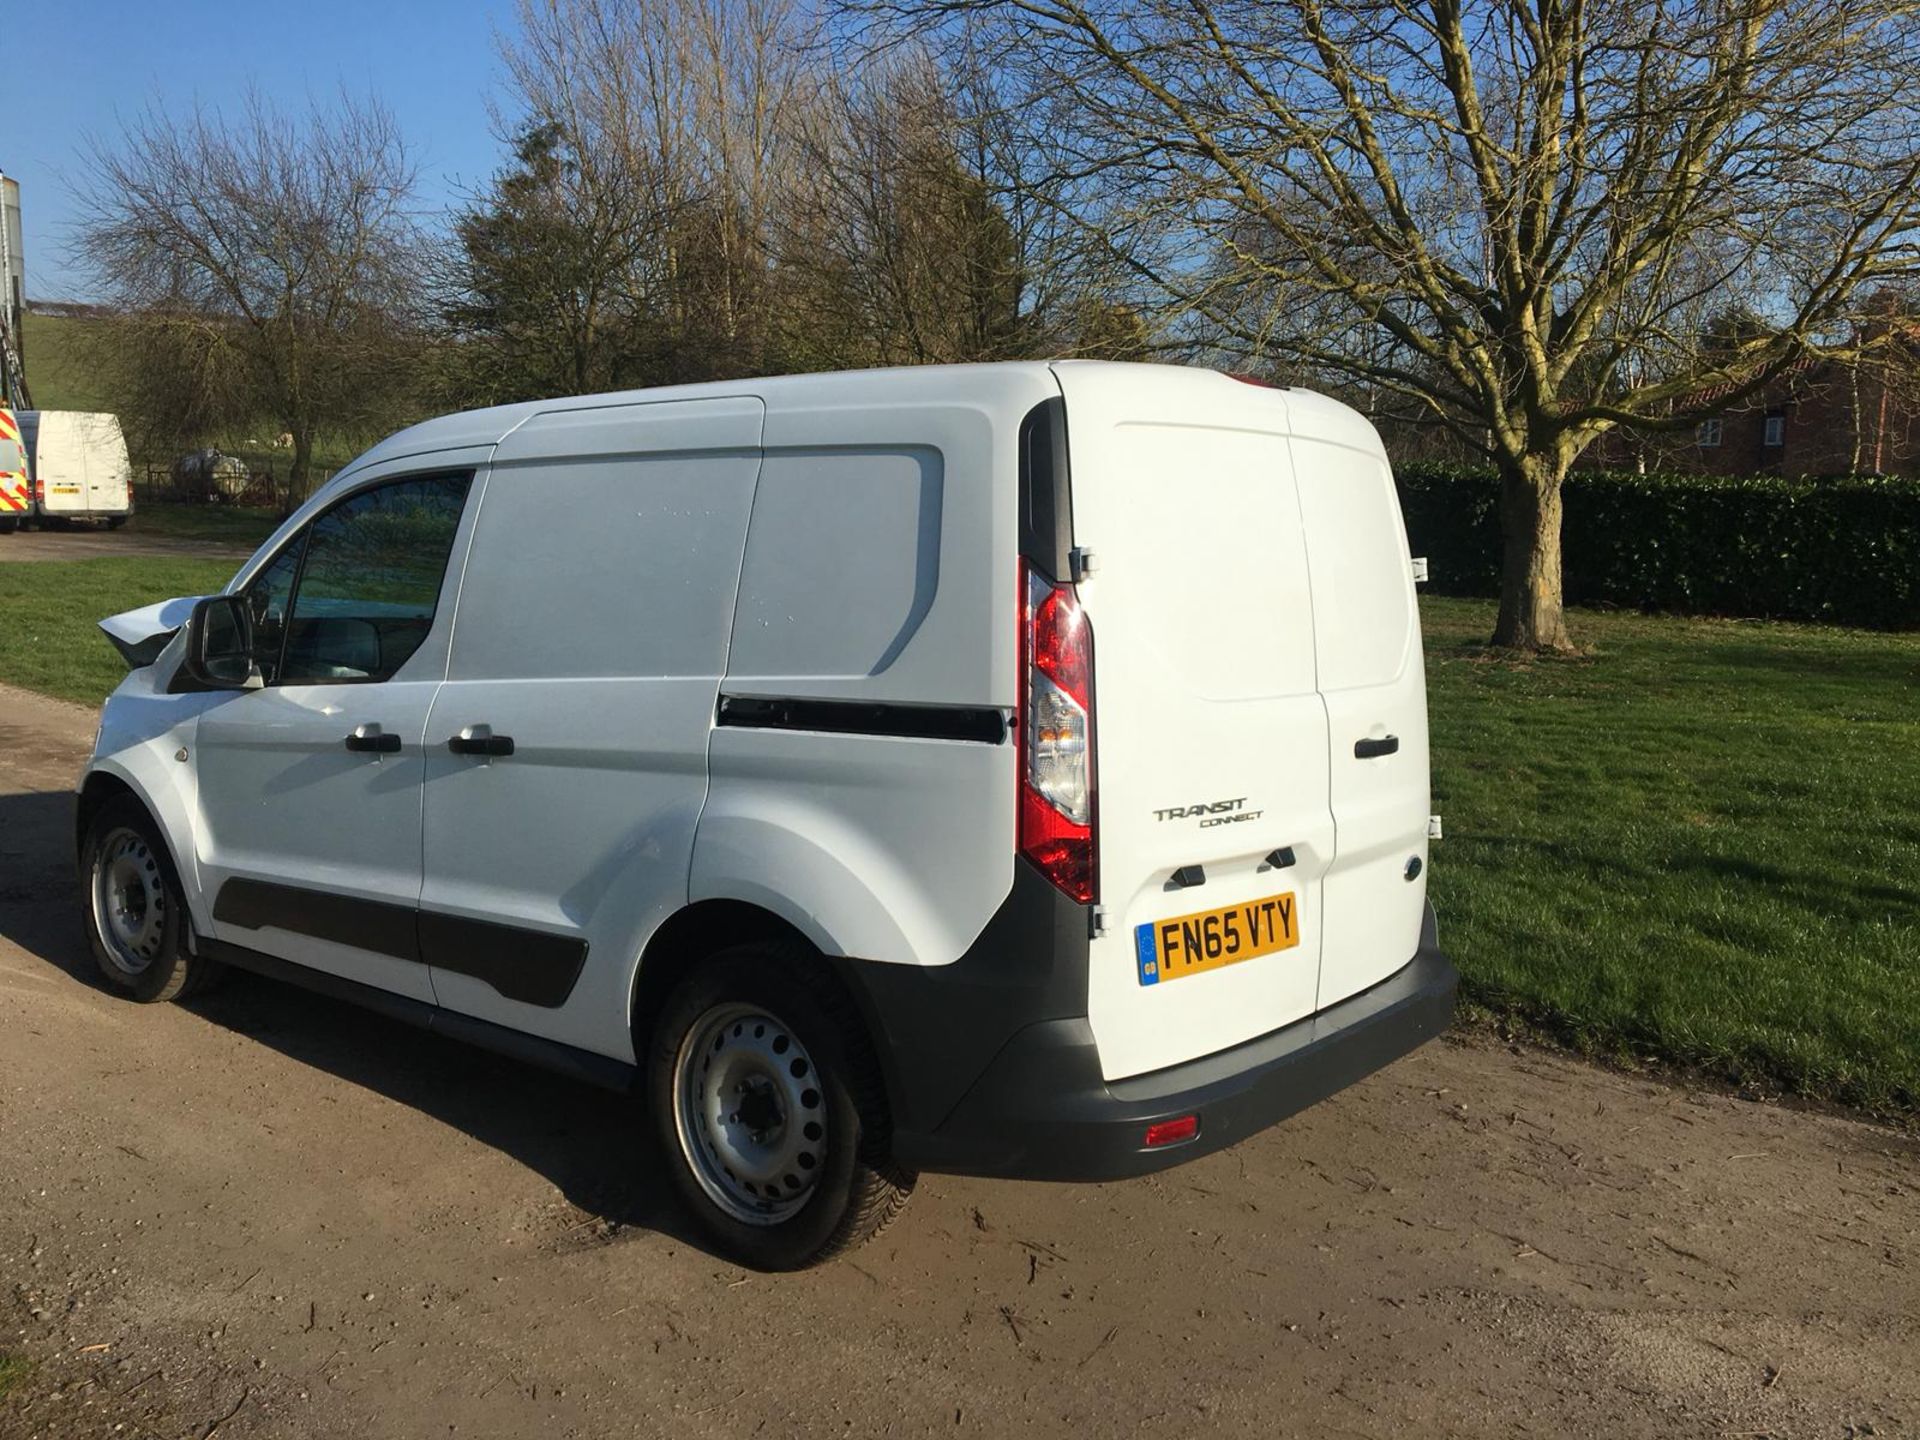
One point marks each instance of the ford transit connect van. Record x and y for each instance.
(1017, 770)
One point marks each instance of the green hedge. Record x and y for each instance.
(1845, 551)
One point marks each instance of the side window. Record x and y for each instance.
(267, 599)
(369, 581)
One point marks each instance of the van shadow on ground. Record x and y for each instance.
(593, 1145)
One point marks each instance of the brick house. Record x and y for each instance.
(1819, 417)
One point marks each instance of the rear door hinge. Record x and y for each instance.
(1097, 921)
(1420, 570)
(1081, 562)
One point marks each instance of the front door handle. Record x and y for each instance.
(1373, 749)
(480, 740)
(372, 737)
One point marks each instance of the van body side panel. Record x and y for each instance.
(592, 630)
(880, 572)
(1210, 734)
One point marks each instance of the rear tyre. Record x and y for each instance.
(9, 524)
(769, 1108)
(135, 915)
(114, 522)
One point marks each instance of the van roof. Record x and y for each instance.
(491, 425)
(1308, 412)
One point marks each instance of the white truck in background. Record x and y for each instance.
(78, 463)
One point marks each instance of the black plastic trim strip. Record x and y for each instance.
(376, 925)
(601, 1070)
(981, 724)
(531, 966)
(526, 965)
(1046, 490)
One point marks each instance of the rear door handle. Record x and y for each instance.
(1373, 749)
(372, 737)
(480, 740)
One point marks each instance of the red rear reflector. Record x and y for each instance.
(1172, 1132)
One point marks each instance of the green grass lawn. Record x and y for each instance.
(51, 641)
(229, 524)
(1700, 845)
(13, 1373)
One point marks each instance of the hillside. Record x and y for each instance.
(60, 371)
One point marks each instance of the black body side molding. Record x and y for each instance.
(526, 965)
(600, 1070)
(979, 723)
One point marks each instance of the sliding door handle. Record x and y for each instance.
(480, 740)
(1373, 749)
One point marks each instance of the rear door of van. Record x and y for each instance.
(1372, 678)
(1214, 820)
(59, 469)
(108, 476)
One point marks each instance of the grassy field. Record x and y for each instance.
(61, 372)
(227, 523)
(1700, 845)
(66, 370)
(51, 641)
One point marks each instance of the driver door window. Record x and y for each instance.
(354, 598)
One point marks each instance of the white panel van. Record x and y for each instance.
(79, 466)
(1015, 770)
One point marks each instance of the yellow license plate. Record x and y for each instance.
(1208, 939)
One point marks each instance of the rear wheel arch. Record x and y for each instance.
(707, 928)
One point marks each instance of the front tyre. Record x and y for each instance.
(136, 918)
(769, 1108)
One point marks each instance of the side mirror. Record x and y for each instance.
(220, 646)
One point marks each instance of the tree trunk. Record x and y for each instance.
(300, 476)
(1532, 617)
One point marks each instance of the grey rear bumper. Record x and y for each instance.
(1041, 1111)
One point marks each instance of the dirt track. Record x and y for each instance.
(98, 543)
(268, 1214)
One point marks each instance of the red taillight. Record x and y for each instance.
(1055, 737)
(1171, 1132)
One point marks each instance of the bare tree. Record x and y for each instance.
(1525, 199)
(892, 246)
(279, 250)
(672, 117)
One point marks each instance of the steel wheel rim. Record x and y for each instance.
(129, 901)
(750, 1113)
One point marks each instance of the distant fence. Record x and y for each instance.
(266, 487)
(1844, 550)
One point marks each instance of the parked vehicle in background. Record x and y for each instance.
(78, 462)
(1013, 770)
(16, 493)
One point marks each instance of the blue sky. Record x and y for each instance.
(75, 66)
